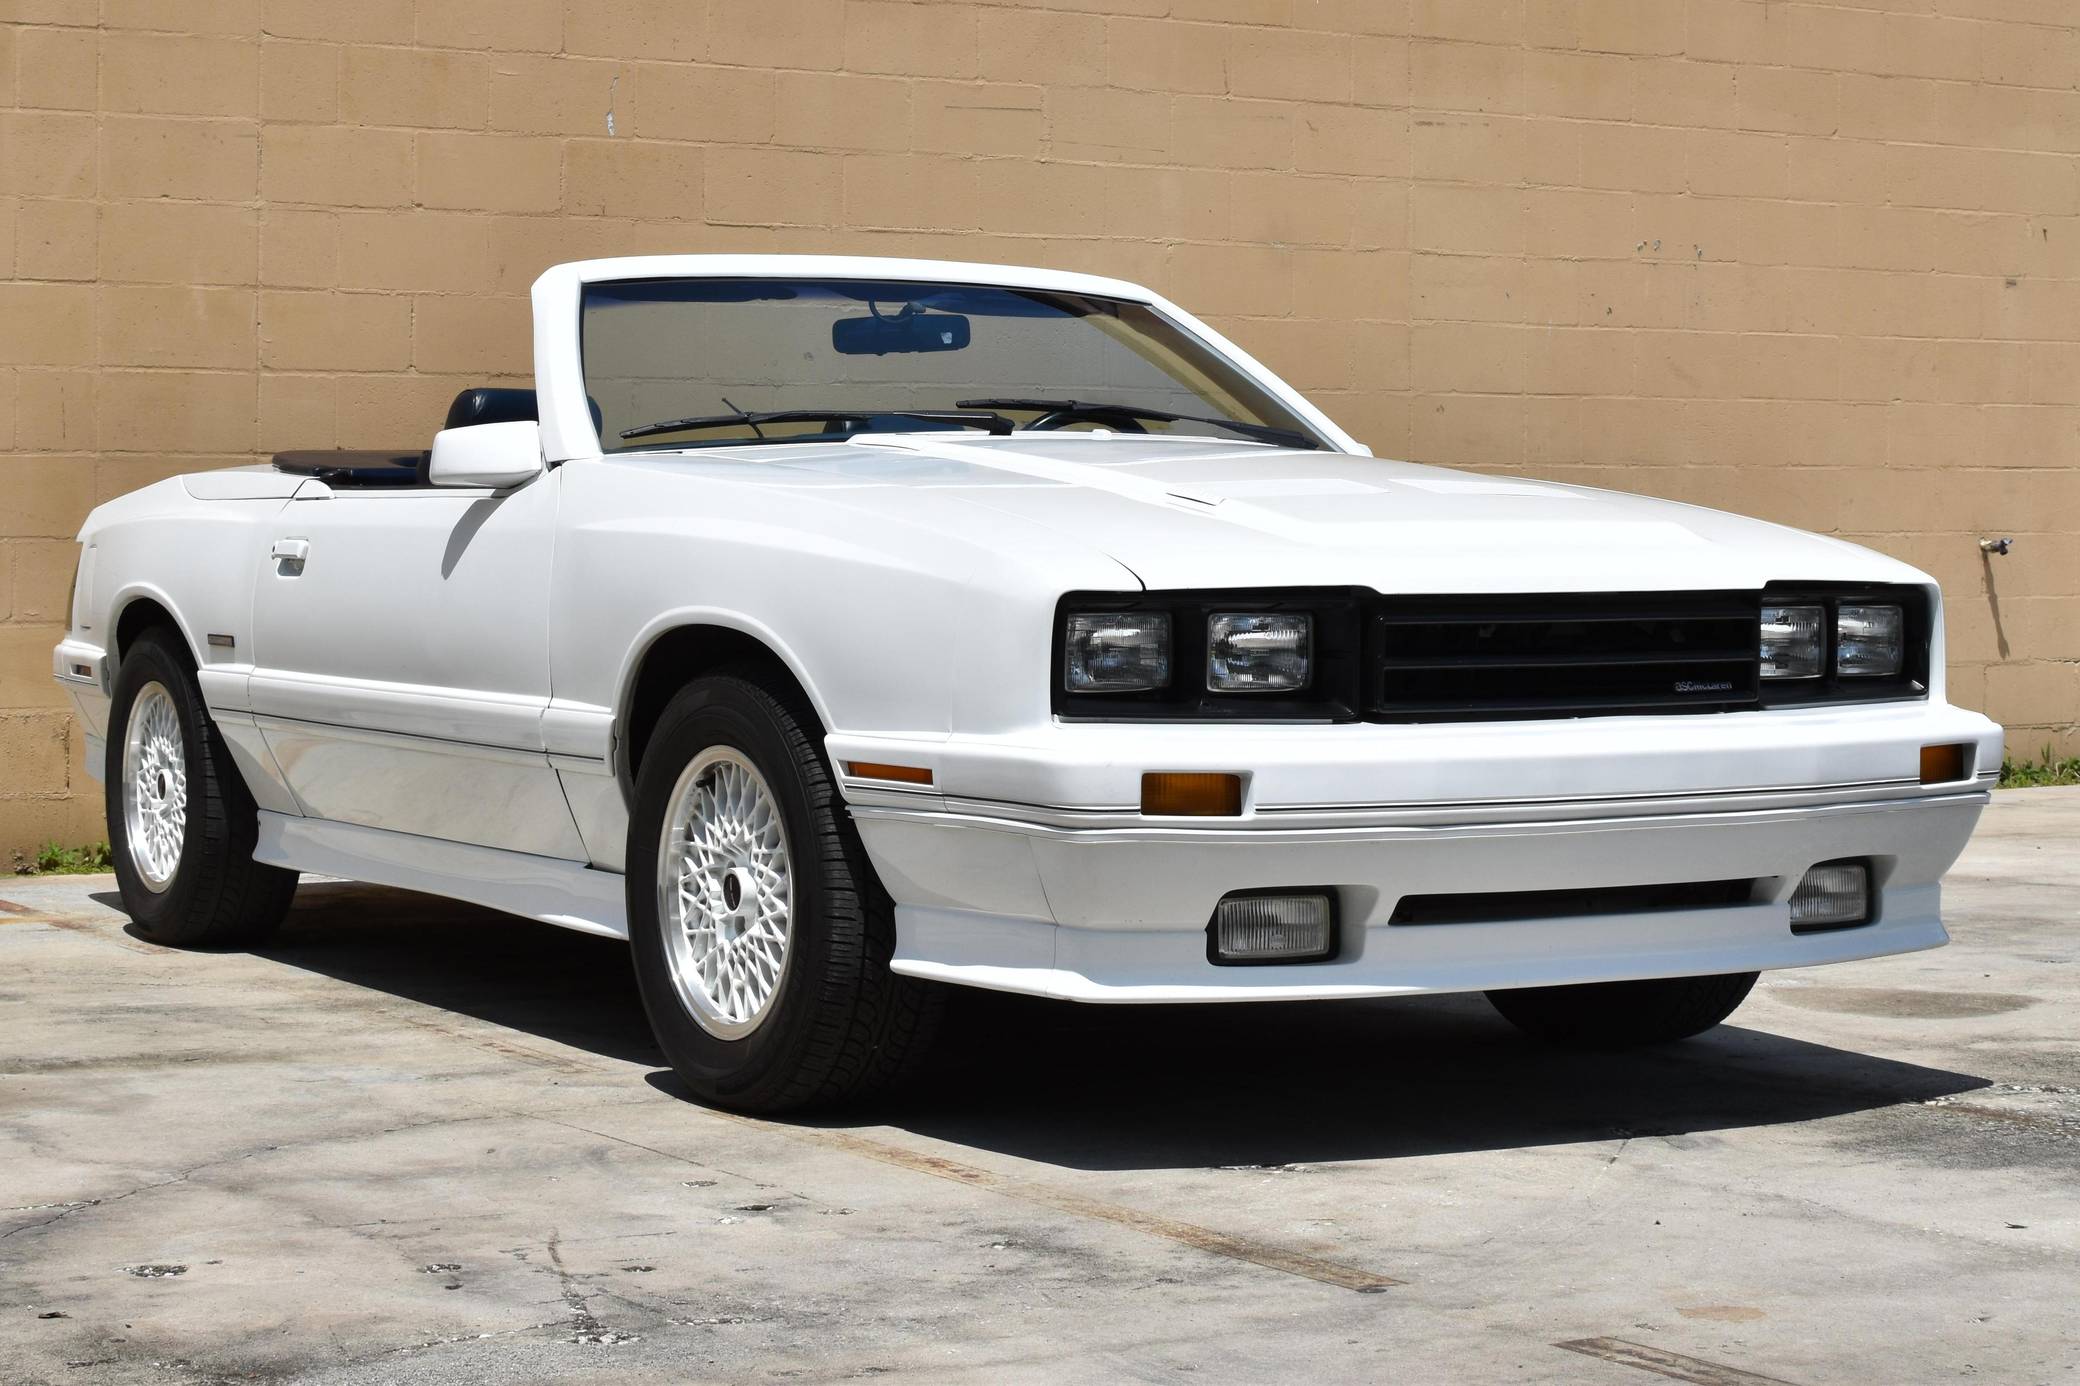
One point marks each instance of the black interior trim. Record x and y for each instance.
(356, 467)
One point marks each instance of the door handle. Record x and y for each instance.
(289, 555)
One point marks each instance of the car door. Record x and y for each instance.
(401, 661)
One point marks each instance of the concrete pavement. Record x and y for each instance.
(415, 1141)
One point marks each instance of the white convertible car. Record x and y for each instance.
(835, 628)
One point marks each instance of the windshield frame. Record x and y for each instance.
(568, 432)
(1234, 401)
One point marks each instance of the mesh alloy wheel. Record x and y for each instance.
(760, 936)
(725, 893)
(155, 787)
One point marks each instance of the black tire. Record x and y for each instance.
(840, 1025)
(217, 895)
(1624, 1015)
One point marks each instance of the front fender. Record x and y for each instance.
(894, 623)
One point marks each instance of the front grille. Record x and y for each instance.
(1488, 907)
(1456, 659)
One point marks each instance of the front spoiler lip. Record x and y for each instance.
(1385, 822)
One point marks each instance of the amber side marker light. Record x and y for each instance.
(898, 774)
(1942, 764)
(1192, 796)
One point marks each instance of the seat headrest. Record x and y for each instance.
(486, 405)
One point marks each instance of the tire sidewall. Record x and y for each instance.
(150, 661)
(724, 711)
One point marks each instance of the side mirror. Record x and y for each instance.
(497, 455)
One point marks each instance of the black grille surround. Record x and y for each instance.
(1502, 657)
(1490, 658)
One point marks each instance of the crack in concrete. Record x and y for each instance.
(663, 1154)
(185, 1175)
(99, 1203)
(585, 1326)
(1266, 1254)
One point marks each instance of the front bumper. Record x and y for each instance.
(83, 671)
(1092, 901)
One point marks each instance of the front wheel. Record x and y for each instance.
(761, 936)
(1624, 1015)
(181, 822)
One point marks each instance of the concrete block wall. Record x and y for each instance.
(1816, 262)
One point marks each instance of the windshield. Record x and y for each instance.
(677, 363)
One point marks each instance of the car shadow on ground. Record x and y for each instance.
(1132, 1087)
(1272, 1085)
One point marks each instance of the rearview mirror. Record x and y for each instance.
(907, 331)
(497, 455)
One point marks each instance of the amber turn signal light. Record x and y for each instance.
(1942, 764)
(899, 774)
(1192, 796)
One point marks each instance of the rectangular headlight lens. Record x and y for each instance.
(1791, 639)
(1870, 641)
(1117, 651)
(1259, 652)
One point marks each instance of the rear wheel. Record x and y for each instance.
(181, 823)
(1624, 1015)
(760, 934)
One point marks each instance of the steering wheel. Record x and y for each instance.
(1062, 418)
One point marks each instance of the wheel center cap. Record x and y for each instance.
(732, 890)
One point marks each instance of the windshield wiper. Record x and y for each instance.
(996, 423)
(1090, 409)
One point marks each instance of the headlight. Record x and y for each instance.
(1116, 651)
(1259, 652)
(1862, 644)
(1791, 641)
(1870, 641)
(1235, 654)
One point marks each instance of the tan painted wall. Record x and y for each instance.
(1818, 262)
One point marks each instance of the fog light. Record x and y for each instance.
(1833, 895)
(1273, 928)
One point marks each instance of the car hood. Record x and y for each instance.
(1193, 512)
